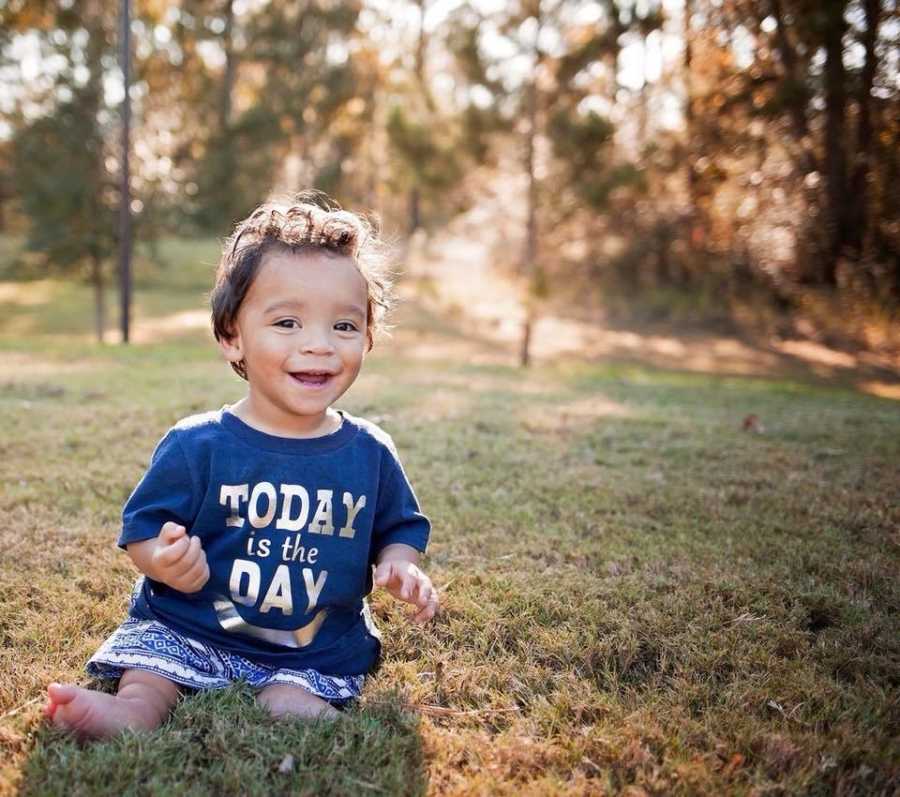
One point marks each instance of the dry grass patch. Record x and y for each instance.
(639, 597)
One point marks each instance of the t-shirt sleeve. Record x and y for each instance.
(398, 518)
(166, 492)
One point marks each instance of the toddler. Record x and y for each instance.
(257, 525)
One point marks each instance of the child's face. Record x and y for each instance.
(301, 332)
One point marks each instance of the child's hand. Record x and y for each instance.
(178, 560)
(407, 583)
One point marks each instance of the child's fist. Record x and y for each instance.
(179, 560)
(407, 583)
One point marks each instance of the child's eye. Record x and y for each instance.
(345, 326)
(288, 323)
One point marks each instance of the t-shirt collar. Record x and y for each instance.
(290, 445)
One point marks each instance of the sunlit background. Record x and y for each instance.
(564, 172)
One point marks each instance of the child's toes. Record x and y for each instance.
(61, 693)
(58, 695)
(71, 708)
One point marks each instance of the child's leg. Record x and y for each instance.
(143, 702)
(283, 700)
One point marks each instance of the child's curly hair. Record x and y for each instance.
(308, 222)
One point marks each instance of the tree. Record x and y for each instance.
(59, 171)
(800, 75)
(831, 25)
(428, 133)
(565, 146)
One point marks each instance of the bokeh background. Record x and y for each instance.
(551, 169)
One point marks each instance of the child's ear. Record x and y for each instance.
(231, 348)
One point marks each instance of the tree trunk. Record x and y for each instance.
(226, 165)
(125, 231)
(864, 137)
(798, 109)
(415, 196)
(415, 210)
(421, 44)
(525, 350)
(697, 235)
(99, 299)
(530, 253)
(92, 16)
(230, 67)
(838, 213)
(643, 98)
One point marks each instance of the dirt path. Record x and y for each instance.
(451, 275)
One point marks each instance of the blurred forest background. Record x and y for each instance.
(732, 163)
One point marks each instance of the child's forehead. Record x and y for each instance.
(305, 257)
(332, 271)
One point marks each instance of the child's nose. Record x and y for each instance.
(316, 341)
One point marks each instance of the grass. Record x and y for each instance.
(175, 277)
(639, 597)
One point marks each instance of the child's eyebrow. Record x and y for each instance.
(352, 309)
(284, 304)
(289, 304)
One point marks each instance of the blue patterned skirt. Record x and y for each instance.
(149, 645)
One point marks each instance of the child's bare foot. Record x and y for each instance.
(283, 700)
(143, 702)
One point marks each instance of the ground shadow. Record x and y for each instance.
(427, 332)
(222, 743)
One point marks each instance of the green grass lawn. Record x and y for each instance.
(175, 276)
(639, 597)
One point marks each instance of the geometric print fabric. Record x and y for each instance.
(151, 646)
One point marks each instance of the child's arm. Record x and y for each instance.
(396, 569)
(173, 558)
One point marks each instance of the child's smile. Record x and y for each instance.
(301, 332)
(313, 379)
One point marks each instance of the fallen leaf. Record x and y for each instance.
(736, 760)
(753, 424)
(287, 765)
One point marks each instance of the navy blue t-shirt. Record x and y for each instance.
(290, 528)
